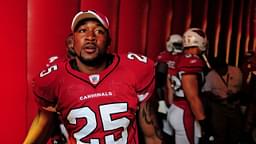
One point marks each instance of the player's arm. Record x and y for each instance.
(41, 127)
(149, 124)
(170, 90)
(161, 86)
(190, 87)
(161, 76)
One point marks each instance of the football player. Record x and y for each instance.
(187, 110)
(166, 63)
(98, 94)
(174, 48)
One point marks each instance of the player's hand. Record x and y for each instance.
(206, 138)
(162, 107)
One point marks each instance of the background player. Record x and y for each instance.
(187, 108)
(174, 48)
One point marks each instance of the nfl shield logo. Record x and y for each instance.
(94, 79)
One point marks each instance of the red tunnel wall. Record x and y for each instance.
(13, 70)
(48, 26)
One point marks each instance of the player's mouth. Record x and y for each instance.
(89, 48)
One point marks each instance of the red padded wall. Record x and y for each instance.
(157, 32)
(133, 19)
(13, 17)
(48, 25)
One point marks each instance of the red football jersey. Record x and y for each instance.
(98, 108)
(187, 64)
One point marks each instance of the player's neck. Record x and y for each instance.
(91, 69)
(193, 51)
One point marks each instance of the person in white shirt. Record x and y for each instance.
(222, 87)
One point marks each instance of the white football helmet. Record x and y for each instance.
(195, 37)
(174, 44)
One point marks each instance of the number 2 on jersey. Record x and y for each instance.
(141, 58)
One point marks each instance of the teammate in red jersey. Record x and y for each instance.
(187, 108)
(97, 94)
(174, 49)
(170, 56)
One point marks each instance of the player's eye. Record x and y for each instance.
(82, 30)
(99, 31)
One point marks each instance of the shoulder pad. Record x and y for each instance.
(190, 64)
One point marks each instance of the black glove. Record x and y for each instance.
(202, 125)
(205, 132)
(161, 74)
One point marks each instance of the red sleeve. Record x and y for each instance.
(146, 82)
(44, 85)
(143, 71)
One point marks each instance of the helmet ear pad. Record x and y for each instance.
(169, 47)
(195, 37)
(175, 43)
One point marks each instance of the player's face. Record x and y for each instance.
(196, 51)
(90, 41)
